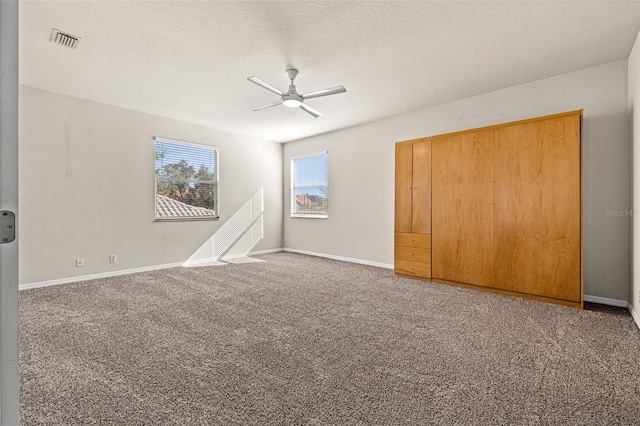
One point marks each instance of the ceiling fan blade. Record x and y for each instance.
(325, 92)
(261, 107)
(267, 86)
(310, 110)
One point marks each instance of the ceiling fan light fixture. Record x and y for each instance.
(292, 103)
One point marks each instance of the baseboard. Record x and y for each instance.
(122, 272)
(614, 302)
(96, 276)
(634, 314)
(344, 259)
(252, 253)
(267, 251)
(606, 301)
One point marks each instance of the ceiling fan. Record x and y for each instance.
(292, 98)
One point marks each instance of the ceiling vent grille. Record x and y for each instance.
(64, 39)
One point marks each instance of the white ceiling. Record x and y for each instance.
(190, 60)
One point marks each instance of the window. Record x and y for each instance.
(186, 181)
(309, 185)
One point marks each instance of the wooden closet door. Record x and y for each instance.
(462, 238)
(537, 172)
(404, 183)
(421, 210)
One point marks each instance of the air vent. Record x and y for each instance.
(64, 39)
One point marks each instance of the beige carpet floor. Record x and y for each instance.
(300, 340)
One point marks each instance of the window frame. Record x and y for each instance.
(293, 213)
(215, 182)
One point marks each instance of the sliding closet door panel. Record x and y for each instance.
(537, 173)
(403, 187)
(462, 223)
(421, 218)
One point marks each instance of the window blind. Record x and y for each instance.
(310, 191)
(186, 180)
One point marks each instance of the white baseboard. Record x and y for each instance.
(614, 302)
(606, 301)
(267, 251)
(344, 259)
(252, 253)
(96, 276)
(634, 314)
(121, 272)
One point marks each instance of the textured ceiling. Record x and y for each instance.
(190, 60)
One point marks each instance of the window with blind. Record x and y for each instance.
(186, 180)
(309, 186)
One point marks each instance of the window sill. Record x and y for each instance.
(310, 216)
(185, 219)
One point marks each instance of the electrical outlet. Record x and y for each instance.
(112, 258)
(79, 262)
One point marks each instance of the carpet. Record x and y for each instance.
(302, 340)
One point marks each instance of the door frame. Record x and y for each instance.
(9, 361)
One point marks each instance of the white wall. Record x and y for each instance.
(634, 112)
(87, 187)
(361, 170)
